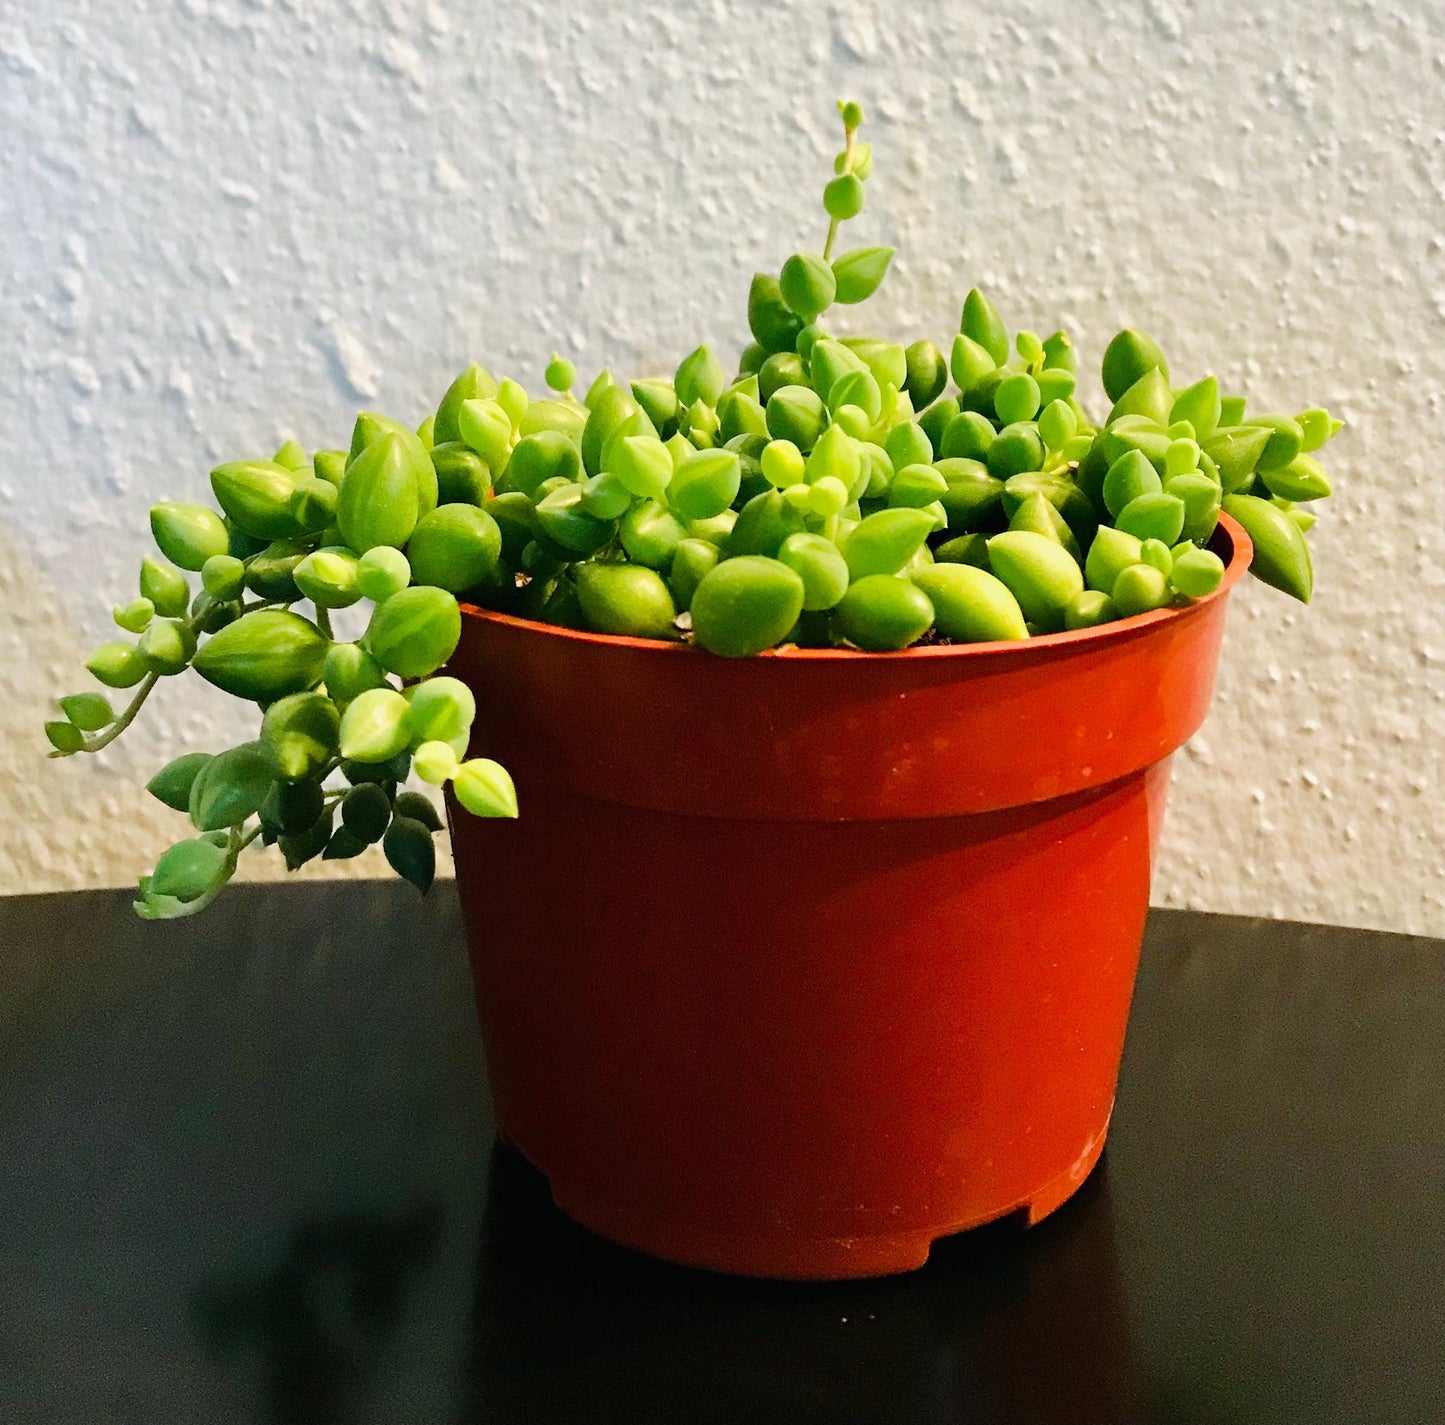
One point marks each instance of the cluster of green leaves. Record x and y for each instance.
(836, 490)
(853, 491)
(395, 523)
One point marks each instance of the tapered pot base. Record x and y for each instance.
(795, 1257)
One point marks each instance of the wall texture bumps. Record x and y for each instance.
(228, 222)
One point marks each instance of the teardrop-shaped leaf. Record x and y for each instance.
(860, 271)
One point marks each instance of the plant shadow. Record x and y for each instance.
(316, 1323)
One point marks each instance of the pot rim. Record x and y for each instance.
(1240, 555)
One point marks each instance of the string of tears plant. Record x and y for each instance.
(836, 491)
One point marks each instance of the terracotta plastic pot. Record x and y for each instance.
(794, 964)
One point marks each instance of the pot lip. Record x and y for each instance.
(1241, 553)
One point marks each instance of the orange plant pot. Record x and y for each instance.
(793, 964)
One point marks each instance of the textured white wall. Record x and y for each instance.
(227, 222)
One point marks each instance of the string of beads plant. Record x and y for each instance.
(837, 491)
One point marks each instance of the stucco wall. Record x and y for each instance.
(228, 222)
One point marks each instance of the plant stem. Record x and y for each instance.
(109, 734)
(323, 620)
(849, 141)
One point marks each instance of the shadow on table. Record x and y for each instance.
(1001, 1325)
(318, 1321)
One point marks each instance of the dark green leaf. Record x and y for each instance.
(343, 846)
(418, 808)
(408, 847)
(299, 849)
(365, 811)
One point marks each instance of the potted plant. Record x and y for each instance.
(840, 689)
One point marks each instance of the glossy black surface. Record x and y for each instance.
(247, 1173)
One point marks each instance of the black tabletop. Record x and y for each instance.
(247, 1174)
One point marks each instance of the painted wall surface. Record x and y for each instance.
(228, 222)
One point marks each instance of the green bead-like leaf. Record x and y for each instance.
(485, 788)
(455, 547)
(969, 362)
(300, 735)
(1040, 573)
(1196, 573)
(88, 711)
(927, 373)
(1112, 551)
(371, 427)
(1140, 589)
(366, 812)
(256, 496)
(328, 577)
(746, 604)
(474, 384)
(381, 572)
(291, 808)
(1281, 556)
(375, 726)
(884, 542)
(134, 616)
(699, 377)
(165, 587)
(463, 477)
(188, 869)
(343, 845)
(1148, 396)
(410, 852)
(981, 323)
(1198, 404)
(117, 665)
(881, 614)
(442, 710)
(625, 599)
(418, 808)
(705, 484)
(691, 561)
(378, 503)
(1235, 451)
(230, 787)
(329, 465)
(292, 456)
(859, 272)
(166, 646)
(301, 848)
(264, 655)
(64, 737)
(650, 534)
(313, 504)
(796, 413)
(187, 535)
(808, 285)
(612, 407)
(350, 670)
(773, 325)
(660, 399)
(1302, 479)
(971, 605)
(172, 784)
(223, 577)
(1127, 358)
